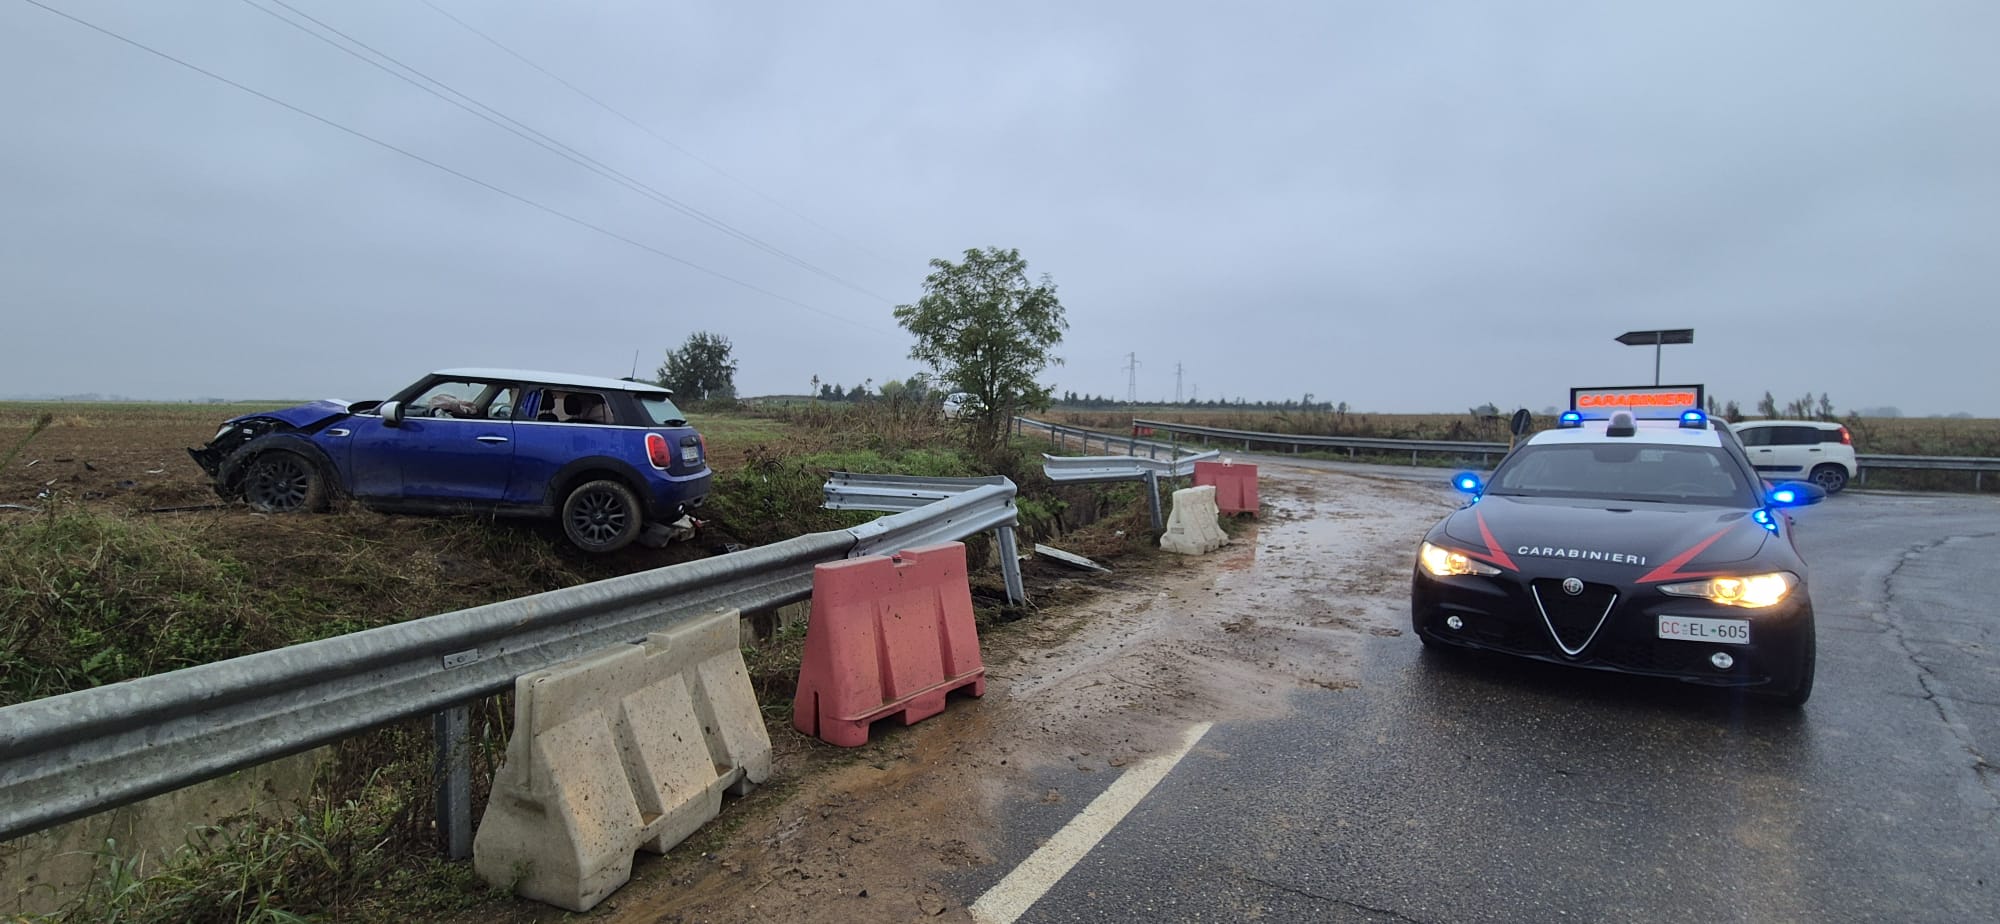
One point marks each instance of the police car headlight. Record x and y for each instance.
(1442, 562)
(1755, 591)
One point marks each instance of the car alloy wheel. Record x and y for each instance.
(1830, 478)
(282, 482)
(601, 516)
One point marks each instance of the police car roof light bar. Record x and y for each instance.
(1569, 419)
(1694, 419)
(1644, 402)
(1622, 425)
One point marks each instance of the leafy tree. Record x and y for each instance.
(829, 392)
(702, 369)
(1732, 412)
(989, 331)
(1826, 407)
(894, 390)
(1767, 406)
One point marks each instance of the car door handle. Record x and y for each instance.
(492, 439)
(1814, 449)
(337, 431)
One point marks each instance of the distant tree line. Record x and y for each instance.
(1071, 399)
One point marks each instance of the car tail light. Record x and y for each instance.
(657, 451)
(1846, 439)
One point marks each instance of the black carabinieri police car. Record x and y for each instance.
(1640, 546)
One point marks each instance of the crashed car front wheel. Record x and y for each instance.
(283, 482)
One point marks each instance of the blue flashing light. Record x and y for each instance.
(1785, 496)
(1764, 519)
(1467, 483)
(1693, 418)
(1570, 419)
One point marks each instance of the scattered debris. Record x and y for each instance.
(32, 463)
(88, 467)
(658, 535)
(157, 471)
(126, 485)
(186, 508)
(22, 507)
(1065, 558)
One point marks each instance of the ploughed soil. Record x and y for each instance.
(1104, 671)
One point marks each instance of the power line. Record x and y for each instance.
(530, 134)
(438, 166)
(607, 107)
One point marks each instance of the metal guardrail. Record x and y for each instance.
(1127, 465)
(1352, 444)
(1978, 466)
(1104, 469)
(1062, 436)
(68, 756)
(957, 507)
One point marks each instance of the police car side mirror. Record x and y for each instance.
(1468, 483)
(1796, 494)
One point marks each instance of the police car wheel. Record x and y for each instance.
(1802, 691)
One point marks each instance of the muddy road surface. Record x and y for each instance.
(925, 819)
(1254, 736)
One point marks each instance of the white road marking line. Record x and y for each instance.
(1039, 873)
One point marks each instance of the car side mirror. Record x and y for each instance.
(1468, 483)
(1796, 494)
(392, 413)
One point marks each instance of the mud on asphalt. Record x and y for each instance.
(892, 830)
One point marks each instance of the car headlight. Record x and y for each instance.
(1443, 562)
(222, 431)
(1755, 591)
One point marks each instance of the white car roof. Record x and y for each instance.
(1650, 432)
(554, 378)
(1822, 424)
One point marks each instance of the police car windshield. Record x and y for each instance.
(1666, 474)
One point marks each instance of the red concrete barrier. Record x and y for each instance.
(886, 635)
(1235, 485)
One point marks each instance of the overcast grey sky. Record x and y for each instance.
(1406, 206)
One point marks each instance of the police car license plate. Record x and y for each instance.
(1697, 629)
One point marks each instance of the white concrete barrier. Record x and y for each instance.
(1195, 526)
(630, 748)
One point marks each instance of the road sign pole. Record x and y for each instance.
(1658, 343)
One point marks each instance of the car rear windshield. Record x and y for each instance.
(1626, 471)
(661, 409)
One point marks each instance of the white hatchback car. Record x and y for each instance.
(1804, 450)
(961, 404)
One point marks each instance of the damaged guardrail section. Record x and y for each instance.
(73, 755)
(958, 507)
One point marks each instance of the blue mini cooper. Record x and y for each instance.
(605, 457)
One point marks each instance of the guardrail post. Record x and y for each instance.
(1010, 565)
(449, 728)
(1413, 457)
(1153, 499)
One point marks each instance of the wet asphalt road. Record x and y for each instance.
(1482, 789)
